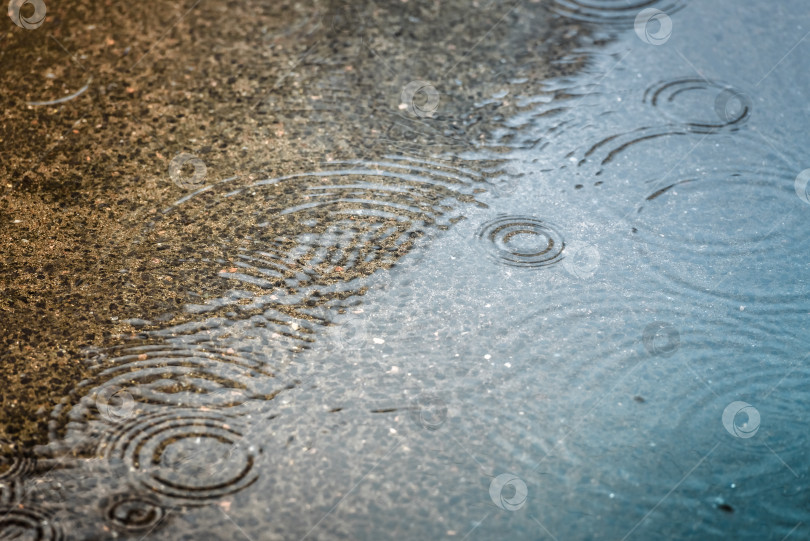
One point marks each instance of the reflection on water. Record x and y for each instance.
(567, 301)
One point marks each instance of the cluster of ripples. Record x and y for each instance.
(176, 405)
(189, 456)
(351, 218)
(714, 229)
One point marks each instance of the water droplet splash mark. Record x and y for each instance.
(132, 513)
(522, 241)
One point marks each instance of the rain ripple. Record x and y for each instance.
(15, 466)
(522, 241)
(284, 244)
(188, 456)
(756, 253)
(688, 105)
(28, 523)
(132, 513)
(612, 12)
(700, 105)
(149, 377)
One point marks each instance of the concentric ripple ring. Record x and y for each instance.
(192, 456)
(522, 241)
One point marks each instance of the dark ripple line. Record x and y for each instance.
(618, 12)
(143, 442)
(502, 229)
(29, 523)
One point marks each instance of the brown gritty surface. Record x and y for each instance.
(255, 89)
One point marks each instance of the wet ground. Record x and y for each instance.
(404, 269)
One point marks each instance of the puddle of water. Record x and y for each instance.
(511, 302)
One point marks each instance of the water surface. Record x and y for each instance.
(534, 271)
